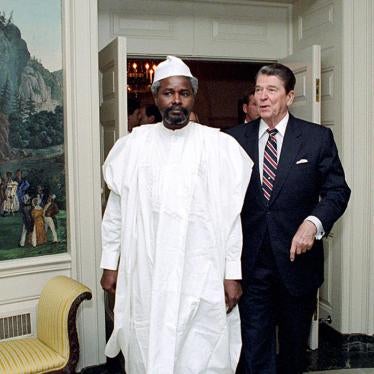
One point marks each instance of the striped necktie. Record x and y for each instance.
(270, 164)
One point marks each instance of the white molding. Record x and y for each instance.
(17, 301)
(357, 256)
(13, 268)
(83, 169)
(348, 156)
(371, 182)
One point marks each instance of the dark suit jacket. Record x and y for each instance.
(317, 188)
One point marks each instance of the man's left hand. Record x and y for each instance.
(233, 291)
(303, 240)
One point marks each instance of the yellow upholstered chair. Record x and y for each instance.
(56, 347)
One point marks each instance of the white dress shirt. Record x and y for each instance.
(262, 140)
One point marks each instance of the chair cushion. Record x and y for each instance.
(28, 356)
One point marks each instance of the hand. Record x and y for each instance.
(109, 280)
(303, 240)
(233, 291)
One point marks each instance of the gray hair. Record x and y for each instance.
(284, 73)
(194, 83)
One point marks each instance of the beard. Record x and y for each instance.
(176, 116)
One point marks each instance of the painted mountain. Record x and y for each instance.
(30, 97)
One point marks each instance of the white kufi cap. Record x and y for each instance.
(172, 66)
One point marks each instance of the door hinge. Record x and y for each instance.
(318, 90)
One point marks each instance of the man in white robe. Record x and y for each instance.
(172, 238)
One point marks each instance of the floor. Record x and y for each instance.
(333, 355)
(330, 358)
(104, 370)
(345, 371)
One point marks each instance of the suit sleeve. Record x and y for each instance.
(334, 191)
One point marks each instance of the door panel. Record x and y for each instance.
(113, 108)
(306, 65)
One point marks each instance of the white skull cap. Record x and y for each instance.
(171, 67)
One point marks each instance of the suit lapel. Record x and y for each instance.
(251, 146)
(290, 148)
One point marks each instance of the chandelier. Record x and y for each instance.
(140, 75)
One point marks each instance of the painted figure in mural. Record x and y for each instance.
(22, 186)
(39, 235)
(11, 204)
(27, 220)
(171, 232)
(50, 211)
(41, 195)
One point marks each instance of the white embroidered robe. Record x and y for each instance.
(172, 226)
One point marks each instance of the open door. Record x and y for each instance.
(113, 108)
(306, 65)
(113, 99)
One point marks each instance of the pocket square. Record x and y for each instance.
(302, 161)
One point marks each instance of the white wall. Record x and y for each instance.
(357, 306)
(22, 280)
(344, 31)
(83, 150)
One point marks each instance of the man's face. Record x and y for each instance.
(272, 99)
(175, 100)
(250, 109)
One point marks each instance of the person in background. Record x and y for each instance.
(296, 193)
(194, 117)
(248, 106)
(149, 114)
(172, 237)
(133, 113)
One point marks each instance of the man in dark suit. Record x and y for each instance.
(296, 193)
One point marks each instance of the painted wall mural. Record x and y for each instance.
(32, 160)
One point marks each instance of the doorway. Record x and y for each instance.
(222, 85)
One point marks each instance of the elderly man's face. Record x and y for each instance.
(175, 100)
(272, 99)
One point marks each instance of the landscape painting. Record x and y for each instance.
(32, 160)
